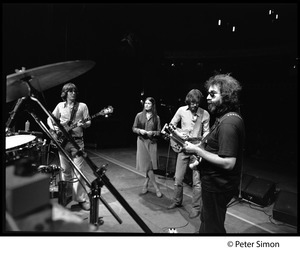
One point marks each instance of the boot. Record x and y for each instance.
(196, 202)
(178, 196)
(145, 186)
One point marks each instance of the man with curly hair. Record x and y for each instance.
(222, 152)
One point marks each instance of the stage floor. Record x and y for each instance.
(242, 217)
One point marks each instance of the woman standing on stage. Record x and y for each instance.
(147, 126)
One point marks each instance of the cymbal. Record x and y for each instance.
(44, 77)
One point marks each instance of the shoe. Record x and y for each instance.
(173, 205)
(85, 205)
(194, 214)
(158, 194)
(144, 190)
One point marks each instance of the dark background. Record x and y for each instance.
(134, 47)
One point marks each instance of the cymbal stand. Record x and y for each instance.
(13, 114)
(99, 173)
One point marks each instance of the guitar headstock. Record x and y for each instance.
(168, 130)
(106, 111)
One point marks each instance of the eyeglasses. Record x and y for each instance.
(72, 90)
(212, 94)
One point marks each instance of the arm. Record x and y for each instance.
(86, 115)
(205, 125)
(50, 122)
(226, 163)
(155, 132)
(176, 118)
(225, 157)
(135, 129)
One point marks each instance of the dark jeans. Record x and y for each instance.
(214, 211)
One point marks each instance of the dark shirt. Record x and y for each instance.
(226, 140)
(141, 122)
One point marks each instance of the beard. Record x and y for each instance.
(213, 107)
(216, 108)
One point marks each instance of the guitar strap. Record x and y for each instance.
(74, 110)
(218, 121)
(201, 116)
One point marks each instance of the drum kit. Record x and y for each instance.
(23, 86)
(20, 86)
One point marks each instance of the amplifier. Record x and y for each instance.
(25, 194)
(246, 180)
(285, 208)
(260, 191)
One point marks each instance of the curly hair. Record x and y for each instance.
(230, 90)
(67, 87)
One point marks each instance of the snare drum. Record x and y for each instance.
(20, 146)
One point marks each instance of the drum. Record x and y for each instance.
(21, 146)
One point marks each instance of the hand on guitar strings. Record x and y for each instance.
(80, 123)
(190, 147)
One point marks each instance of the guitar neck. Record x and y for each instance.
(83, 121)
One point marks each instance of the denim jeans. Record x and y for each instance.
(69, 173)
(181, 167)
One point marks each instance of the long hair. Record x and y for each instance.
(194, 96)
(67, 87)
(230, 90)
(153, 110)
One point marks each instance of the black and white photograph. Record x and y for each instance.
(151, 119)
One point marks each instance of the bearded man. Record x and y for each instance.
(222, 152)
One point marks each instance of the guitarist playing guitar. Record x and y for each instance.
(58, 135)
(194, 123)
(68, 112)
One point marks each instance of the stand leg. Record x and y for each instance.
(167, 164)
(94, 200)
(99, 172)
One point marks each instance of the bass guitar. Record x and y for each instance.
(59, 136)
(177, 142)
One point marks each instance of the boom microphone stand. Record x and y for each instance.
(101, 179)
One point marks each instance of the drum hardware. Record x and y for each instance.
(21, 85)
(12, 115)
(53, 170)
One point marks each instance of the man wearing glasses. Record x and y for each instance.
(222, 154)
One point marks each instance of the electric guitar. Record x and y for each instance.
(59, 136)
(177, 142)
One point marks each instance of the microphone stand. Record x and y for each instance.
(166, 177)
(95, 186)
(13, 114)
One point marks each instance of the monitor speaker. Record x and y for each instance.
(285, 208)
(260, 191)
(246, 180)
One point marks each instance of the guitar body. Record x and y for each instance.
(177, 146)
(58, 134)
(177, 142)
